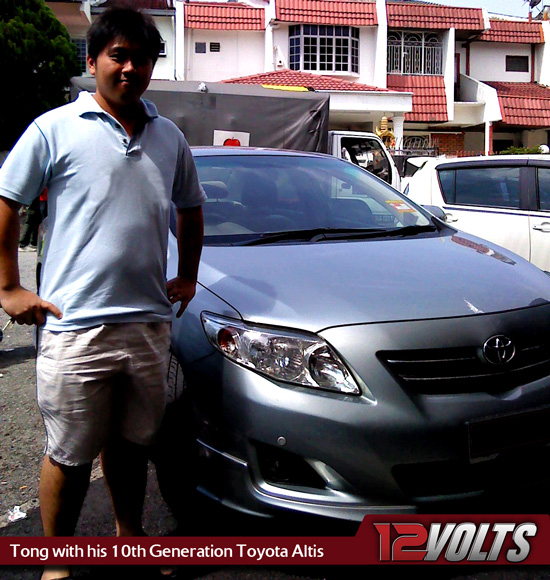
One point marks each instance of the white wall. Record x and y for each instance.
(380, 69)
(488, 61)
(241, 54)
(368, 74)
(542, 69)
(164, 69)
(449, 70)
(474, 91)
(280, 46)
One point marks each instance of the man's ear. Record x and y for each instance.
(91, 65)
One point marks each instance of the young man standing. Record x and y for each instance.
(112, 167)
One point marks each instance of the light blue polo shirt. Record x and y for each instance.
(108, 210)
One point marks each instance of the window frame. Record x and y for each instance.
(518, 58)
(81, 53)
(327, 49)
(525, 177)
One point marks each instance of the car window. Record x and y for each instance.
(251, 194)
(368, 154)
(543, 180)
(481, 186)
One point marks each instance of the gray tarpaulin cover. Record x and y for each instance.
(271, 117)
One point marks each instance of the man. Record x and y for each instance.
(112, 166)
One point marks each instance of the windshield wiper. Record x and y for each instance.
(320, 234)
(355, 234)
(309, 235)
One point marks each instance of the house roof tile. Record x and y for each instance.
(338, 12)
(291, 78)
(525, 104)
(513, 31)
(404, 14)
(218, 16)
(429, 101)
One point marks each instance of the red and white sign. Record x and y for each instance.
(231, 138)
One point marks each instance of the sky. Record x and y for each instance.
(506, 7)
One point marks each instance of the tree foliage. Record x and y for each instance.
(37, 59)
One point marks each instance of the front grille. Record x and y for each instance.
(464, 370)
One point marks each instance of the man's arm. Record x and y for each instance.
(23, 306)
(190, 232)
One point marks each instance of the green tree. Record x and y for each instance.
(37, 59)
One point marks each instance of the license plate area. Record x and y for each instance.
(493, 435)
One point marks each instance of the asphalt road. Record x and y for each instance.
(21, 447)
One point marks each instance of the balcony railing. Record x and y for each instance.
(415, 59)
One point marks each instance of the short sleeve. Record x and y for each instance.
(24, 173)
(187, 191)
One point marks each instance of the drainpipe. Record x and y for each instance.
(179, 41)
(532, 63)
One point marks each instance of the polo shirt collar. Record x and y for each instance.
(86, 103)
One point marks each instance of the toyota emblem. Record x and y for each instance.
(499, 350)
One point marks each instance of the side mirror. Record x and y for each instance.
(436, 211)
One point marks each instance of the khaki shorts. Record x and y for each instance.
(109, 379)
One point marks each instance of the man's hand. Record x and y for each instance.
(182, 290)
(27, 307)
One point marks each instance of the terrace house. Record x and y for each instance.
(458, 78)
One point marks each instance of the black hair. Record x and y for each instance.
(124, 22)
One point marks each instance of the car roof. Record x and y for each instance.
(493, 159)
(209, 151)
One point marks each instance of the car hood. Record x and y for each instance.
(316, 286)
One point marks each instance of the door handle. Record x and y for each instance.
(450, 218)
(543, 227)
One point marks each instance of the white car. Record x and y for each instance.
(502, 198)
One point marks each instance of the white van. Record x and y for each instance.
(502, 198)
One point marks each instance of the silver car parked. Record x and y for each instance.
(347, 353)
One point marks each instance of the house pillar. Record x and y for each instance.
(398, 122)
(488, 137)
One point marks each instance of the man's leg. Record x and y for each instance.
(125, 469)
(62, 491)
(137, 410)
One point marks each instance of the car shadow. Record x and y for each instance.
(12, 356)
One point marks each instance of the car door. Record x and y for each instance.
(539, 218)
(489, 201)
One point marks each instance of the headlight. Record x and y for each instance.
(284, 355)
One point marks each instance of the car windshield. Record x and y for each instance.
(290, 198)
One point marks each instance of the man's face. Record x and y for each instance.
(122, 71)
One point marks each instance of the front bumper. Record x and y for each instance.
(267, 446)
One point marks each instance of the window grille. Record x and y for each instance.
(414, 53)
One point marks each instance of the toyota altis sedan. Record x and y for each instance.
(347, 353)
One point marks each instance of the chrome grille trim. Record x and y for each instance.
(463, 369)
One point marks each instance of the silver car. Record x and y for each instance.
(347, 353)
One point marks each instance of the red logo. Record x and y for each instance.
(232, 142)
(455, 542)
